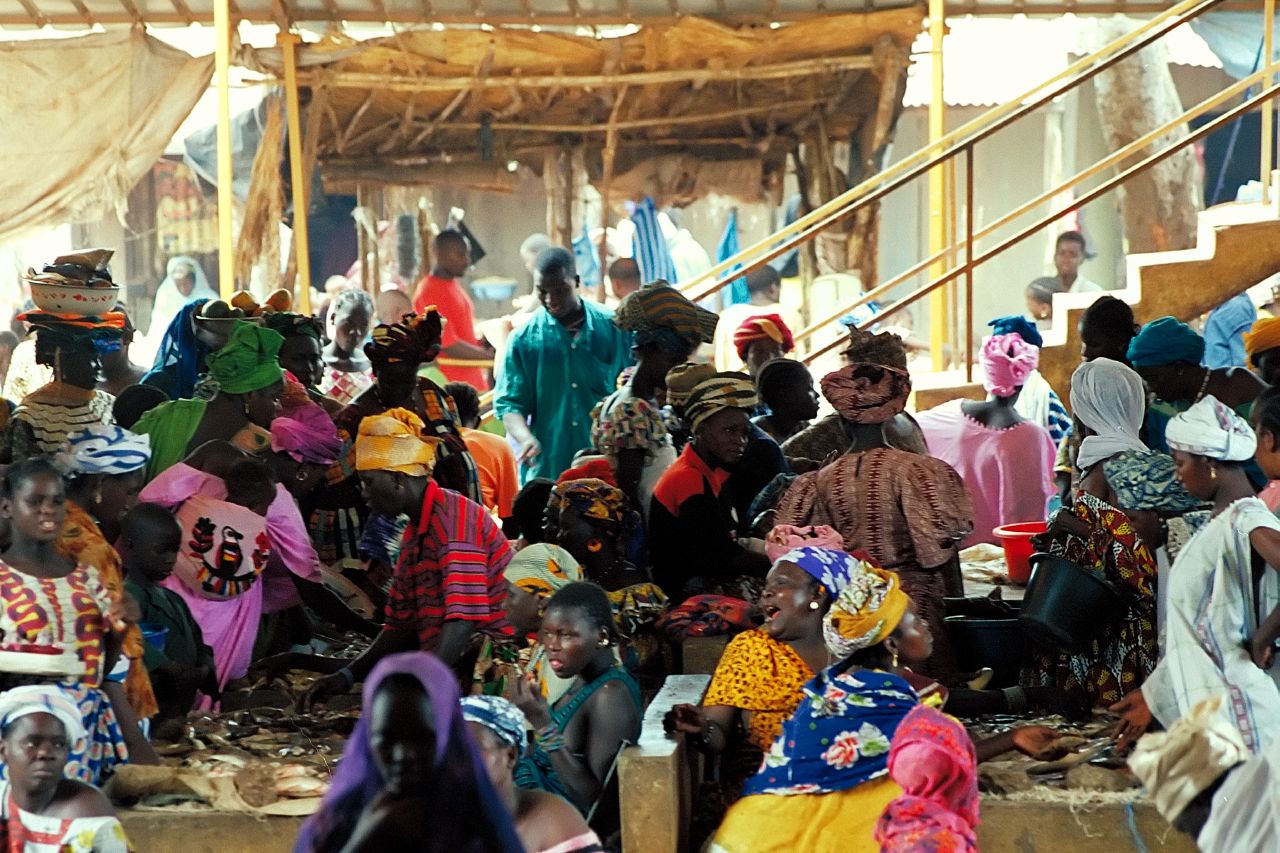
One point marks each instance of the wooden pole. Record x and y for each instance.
(362, 239)
(937, 186)
(288, 43)
(222, 79)
(606, 181)
(1268, 116)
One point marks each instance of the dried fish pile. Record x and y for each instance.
(1083, 757)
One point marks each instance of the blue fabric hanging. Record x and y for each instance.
(587, 259)
(649, 247)
(738, 294)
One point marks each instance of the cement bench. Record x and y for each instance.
(656, 776)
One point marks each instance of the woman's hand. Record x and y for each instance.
(1135, 719)
(1038, 742)
(525, 695)
(1263, 651)
(116, 616)
(689, 719)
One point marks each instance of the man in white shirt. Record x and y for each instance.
(765, 288)
(1068, 255)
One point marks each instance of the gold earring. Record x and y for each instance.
(813, 605)
(1213, 473)
(895, 660)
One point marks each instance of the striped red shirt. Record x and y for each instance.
(450, 567)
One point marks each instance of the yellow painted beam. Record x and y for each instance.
(288, 43)
(937, 188)
(1268, 110)
(222, 77)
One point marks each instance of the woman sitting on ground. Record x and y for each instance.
(40, 807)
(1004, 460)
(577, 739)
(410, 771)
(786, 389)
(545, 823)
(592, 522)
(250, 385)
(627, 426)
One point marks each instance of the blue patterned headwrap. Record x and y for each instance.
(104, 449)
(1017, 325)
(831, 568)
(498, 716)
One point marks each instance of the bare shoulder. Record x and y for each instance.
(80, 799)
(556, 819)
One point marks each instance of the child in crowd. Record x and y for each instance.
(180, 663)
(347, 372)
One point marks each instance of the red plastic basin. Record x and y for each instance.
(1016, 539)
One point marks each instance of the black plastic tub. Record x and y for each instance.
(1067, 606)
(997, 643)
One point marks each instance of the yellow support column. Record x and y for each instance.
(937, 188)
(222, 78)
(288, 43)
(1268, 109)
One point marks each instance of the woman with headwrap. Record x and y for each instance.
(72, 346)
(1004, 460)
(1167, 355)
(760, 340)
(545, 823)
(812, 447)
(1097, 532)
(594, 523)
(447, 591)
(1262, 349)
(627, 426)
(692, 527)
(908, 511)
(103, 468)
(347, 372)
(680, 381)
(410, 771)
(181, 360)
(534, 574)
(250, 384)
(184, 283)
(1221, 589)
(40, 808)
(300, 353)
(1037, 402)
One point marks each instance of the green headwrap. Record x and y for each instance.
(248, 361)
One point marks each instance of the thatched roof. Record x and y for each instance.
(415, 106)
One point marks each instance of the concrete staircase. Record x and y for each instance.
(1238, 245)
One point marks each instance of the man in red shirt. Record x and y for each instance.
(443, 289)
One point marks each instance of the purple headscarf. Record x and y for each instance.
(358, 781)
(307, 434)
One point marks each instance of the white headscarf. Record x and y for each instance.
(1108, 398)
(169, 300)
(43, 699)
(104, 449)
(1211, 429)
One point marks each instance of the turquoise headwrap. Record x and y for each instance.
(1166, 341)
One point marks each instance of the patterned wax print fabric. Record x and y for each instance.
(706, 616)
(24, 832)
(345, 386)
(1211, 611)
(1147, 480)
(37, 426)
(839, 736)
(67, 613)
(765, 678)
(636, 612)
(622, 422)
(1121, 657)
(906, 511)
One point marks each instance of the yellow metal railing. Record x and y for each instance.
(959, 145)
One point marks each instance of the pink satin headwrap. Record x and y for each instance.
(1007, 361)
(786, 537)
(863, 400)
(307, 434)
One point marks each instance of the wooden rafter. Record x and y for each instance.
(36, 17)
(132, 10)
(82, 9)
(182, 9)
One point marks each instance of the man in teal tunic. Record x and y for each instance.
(557, 367)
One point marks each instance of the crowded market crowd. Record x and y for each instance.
(534, 576)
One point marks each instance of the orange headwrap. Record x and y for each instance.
(1264, 335)
(768, 327)
(393, 441)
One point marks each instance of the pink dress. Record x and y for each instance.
(229, 617)
(1007, 472)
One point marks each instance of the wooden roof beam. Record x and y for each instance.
(182, 9)
(36, 16)
(782, 70)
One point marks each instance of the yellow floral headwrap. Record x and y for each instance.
(865, 612)
(542, 569)
(393, 441)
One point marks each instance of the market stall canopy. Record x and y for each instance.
(86, 13)
(85, 119)
(464, 104)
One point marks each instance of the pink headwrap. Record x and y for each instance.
(933, 760)
(307, 434)
(785, 538)
(1007, 361)
(861, 399)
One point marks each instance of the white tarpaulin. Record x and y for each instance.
(84, 119)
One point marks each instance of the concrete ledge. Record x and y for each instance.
(655, 777)
(701, 655)
(208, 832)
(1027, 827)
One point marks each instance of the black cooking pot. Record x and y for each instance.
(1066, 606)
(994, 642)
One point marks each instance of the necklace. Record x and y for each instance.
(1203, 385)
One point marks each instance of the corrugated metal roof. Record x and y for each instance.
(1030, 51)
(86, 13)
